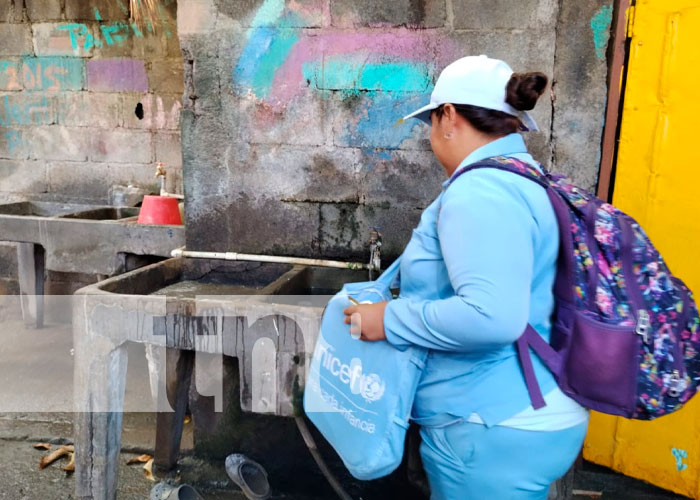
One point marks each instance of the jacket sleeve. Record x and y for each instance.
(486, 232)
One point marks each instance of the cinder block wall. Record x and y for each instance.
(290, 135)
(72, 73)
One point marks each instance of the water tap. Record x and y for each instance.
(375, 252)
(160, 172)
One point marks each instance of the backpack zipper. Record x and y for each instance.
(643, 324)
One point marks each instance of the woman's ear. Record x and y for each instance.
(449, 121)
(450, 114)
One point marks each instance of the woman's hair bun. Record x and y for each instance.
(523, 89)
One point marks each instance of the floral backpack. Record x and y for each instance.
(625, 337)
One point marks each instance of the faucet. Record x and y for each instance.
(375, 252)
(160, 172)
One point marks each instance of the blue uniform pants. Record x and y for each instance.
(466, 461)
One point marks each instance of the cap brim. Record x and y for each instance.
(423, 113)
(528, 122)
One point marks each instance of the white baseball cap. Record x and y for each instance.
(476, 81)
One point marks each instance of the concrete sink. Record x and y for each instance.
(179, 308)
(104, 213)
(39, 209)
(73, 238)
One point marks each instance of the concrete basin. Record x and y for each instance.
(104, 213)
(38, 208)
(73, 238)
(179, 308)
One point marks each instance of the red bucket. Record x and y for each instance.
(159, 210)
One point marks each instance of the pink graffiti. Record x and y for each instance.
(405, 44)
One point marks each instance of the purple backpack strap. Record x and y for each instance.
(552, 359)
(530, 338)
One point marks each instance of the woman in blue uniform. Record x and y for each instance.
(479, 267)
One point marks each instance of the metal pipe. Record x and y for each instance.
(181, 252)
(311, 445)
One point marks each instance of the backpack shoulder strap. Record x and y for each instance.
(507, 164)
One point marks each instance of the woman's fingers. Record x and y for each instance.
(355, 323)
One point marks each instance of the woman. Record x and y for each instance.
(481, 266)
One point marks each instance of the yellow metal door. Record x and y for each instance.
(658, 182)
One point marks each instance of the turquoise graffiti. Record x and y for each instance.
(49, 74)
(384, 74)
(600, 25)
(21, 111)
(680, 455)
(115, 33)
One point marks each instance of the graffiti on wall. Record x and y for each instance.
(49, 74)
(680, 455)
(387, 74)
(115, 33)
(600, 26)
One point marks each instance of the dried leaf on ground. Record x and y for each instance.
(139, 460)
(71, 464)
(42, 446)
(47, 460)
(148, 467)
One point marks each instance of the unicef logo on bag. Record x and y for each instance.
(372, 387)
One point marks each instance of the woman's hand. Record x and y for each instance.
(367, 320)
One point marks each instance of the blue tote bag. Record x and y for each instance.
(359, 394)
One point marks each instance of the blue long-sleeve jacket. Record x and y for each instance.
(480, 265)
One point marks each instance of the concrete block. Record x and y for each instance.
(206, 149)
(14, 143)
(15, 40)
(157, 112)
(407, 178)
(295, 14)
(168, 149)
(43, 10)
(139, 175)
(88, 109)
(206, 83)
(371, 120)
(345, 229)
(121, 146)
(420, 13)
(85, 179)
(195, 17)
(236, 221)
(48, 74)
(63, 39)
(59, 143)
(294, 174)
(21, 176)
(117, 75)
(106, 10)
(11, 11)
(503, 14)
(166, 76)
(144, 45)
(303, 121)
(27, 109)
(523, 50)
